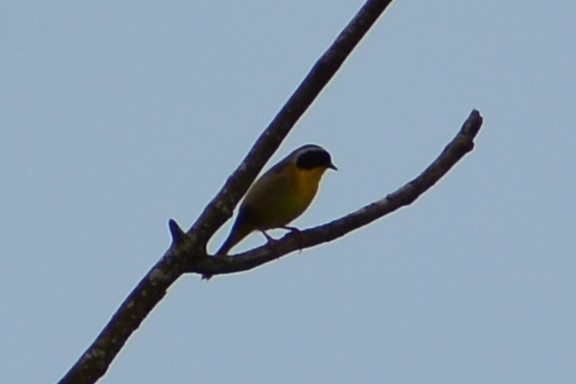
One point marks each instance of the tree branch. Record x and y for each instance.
(190, 247)
(462, 143)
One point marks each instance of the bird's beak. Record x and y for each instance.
(332, 166)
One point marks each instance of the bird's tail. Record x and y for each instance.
(236, 235)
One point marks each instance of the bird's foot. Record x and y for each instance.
(298, 235)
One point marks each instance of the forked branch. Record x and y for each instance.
(462, 143)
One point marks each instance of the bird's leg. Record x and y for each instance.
(297, 235)
(269, 239)
(271, 242)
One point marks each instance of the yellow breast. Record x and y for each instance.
(307, 186)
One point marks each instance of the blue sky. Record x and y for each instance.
(115, 117)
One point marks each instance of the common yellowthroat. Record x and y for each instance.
(281, 195)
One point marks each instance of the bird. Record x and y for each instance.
(280, 195)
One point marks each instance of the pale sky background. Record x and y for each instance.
(116, 116)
